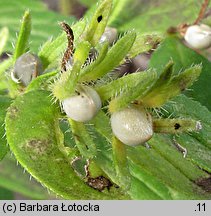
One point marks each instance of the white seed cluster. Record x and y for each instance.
(132, 126)
(198, 36)
(83, 106)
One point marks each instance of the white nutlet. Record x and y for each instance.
(109, 35)
(27, 67)
(132, 126)
(83, 106)
(198, 36)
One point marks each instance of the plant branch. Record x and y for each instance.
(202, 12)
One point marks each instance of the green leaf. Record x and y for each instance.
(22, 43)
(13, 177)
(198, 144)
(126, 84)
(148, 186)
(158, 164)
(102, 49)
(66, 84)
(158, 16)
(149, 167)
(82, 52)
(6, 194)
(183, 57)
(4, 104)
(146, 81)
(121, 163)
(4, 34)
(100, 131)
(83, 140)
(144, 43)
(164, 146)
(102, 125)
(68, 136)
(42, 82)
(104, 156)
(197, 153)
(176, 125)
(98, 22)
(40, 148)
(125, 10)
(167, 88)
(119, 50)
(45, 22)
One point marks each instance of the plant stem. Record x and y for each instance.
(202, 12)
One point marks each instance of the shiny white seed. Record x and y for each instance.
(83, 106)
(132, 126)
(198, 36)
(27, 67)
(109, 35)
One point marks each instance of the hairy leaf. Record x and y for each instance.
(173, 49)
(158, 16)
(144, 43)
(4, 104)
(13, 177)
(6, 194)
(139, 90)
(40, 148)
(42, 82)
(167, 88)
(125, 84)
(119, 50)
(198, 144)
(149, 167)
(22, 44)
